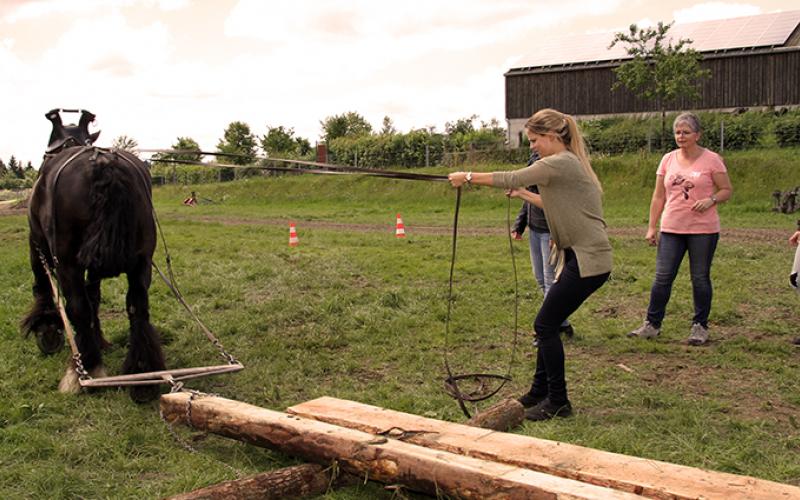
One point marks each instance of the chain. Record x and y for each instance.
(76, 354)
(177, 387)
(170, 281)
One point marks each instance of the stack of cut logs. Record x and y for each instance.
(439, 458)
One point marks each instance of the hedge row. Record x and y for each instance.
(729, 131)
(787, 129)
(417, 148)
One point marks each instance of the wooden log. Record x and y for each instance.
(375, 457)
(650, 478)
(502, 416)
(298, 481)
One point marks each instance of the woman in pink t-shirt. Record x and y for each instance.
(690, 182)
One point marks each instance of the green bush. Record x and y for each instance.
(618, 135)
(386, 150)
(183, 174)
(741, 131)
(787, 129)
(15, 183)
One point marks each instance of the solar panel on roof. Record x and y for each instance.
(763, 30)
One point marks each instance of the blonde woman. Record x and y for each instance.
(571, 196)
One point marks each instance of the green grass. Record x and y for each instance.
(355, 313)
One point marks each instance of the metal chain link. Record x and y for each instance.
(177, 387)
(57, 295)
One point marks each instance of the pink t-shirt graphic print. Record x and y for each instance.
(684, 186)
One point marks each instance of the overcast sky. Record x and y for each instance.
(156, 70)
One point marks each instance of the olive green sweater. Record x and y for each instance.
(573, 208)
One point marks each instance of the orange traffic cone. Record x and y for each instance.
(400, 230)
(293, 241)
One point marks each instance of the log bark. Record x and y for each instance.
(298, 481)
(502, 416)
(650, 478)
(375, 457)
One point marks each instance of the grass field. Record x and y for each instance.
(355, 313)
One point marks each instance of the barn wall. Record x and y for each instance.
(739, 80)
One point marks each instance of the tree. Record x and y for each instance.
(388, 126)
(303, 146)
(3, 168)
(350, 124)
(15, 168)
(238, 140)
(658, 72)
(185, 144)
(30, 172)
(125, 143)
(460, 126)
(279, 140)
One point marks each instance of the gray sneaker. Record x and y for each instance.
(646, 331)
(698, 335)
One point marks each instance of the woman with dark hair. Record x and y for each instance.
(571, 196)
(690, 182)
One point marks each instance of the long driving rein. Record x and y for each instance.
(451, 383)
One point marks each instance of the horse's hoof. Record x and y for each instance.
(144, 393)
(70, 384)
(50, 340)
(98, 371)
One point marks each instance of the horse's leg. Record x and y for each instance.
(43, 319)
(144, 353)
(79, 312)
(93, 289)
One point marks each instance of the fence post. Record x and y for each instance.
(722, 136)
(356, 157)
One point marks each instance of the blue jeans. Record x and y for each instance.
(671, 249)
(543, 271)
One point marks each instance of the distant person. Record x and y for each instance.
(690, 182)
(795, 241)
(533, 218)
(191, 200)
(571, 197)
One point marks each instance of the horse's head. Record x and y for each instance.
(70, 135)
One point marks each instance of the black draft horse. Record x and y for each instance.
(91, 217)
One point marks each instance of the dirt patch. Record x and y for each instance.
(744, 394)
(14, 207)
(740, 235)
(731, 234)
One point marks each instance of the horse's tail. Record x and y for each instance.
(109, 243)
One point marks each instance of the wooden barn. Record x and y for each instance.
(754, 63)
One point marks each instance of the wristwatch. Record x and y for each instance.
(714, 198)
(468, 177)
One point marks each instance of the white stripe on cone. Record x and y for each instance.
(400, 230)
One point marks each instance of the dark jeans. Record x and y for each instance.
(671, 249)
(564, 298)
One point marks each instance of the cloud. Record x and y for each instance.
(714, 10)
(28, 10)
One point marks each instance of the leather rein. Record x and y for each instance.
(451, 383)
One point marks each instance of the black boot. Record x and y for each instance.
(547, 410)
(529, 399)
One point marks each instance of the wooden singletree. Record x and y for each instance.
(661, 70)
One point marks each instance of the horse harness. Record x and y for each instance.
(173, 377)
